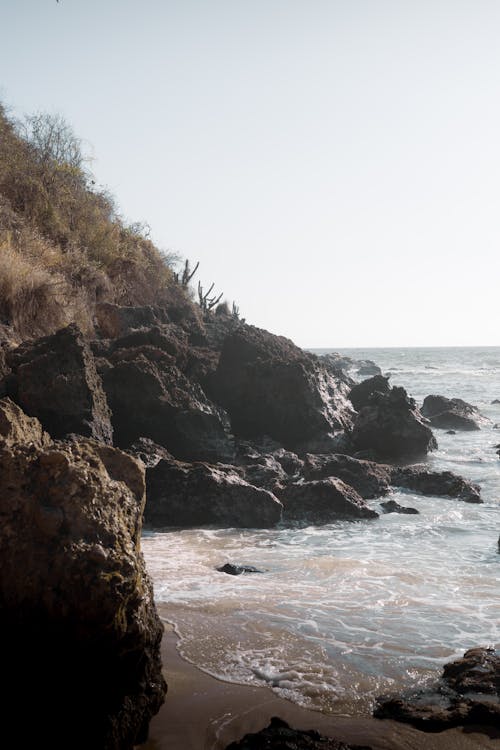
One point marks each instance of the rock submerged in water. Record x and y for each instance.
(435, 483)
(323, 501)
(237, 570)
(280, 736)
(368, 478)
(389, 424)
(198, 494)
(77, 603)
(452, 413)
(468, 693)
(391, 506)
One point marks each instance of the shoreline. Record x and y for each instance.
(203, 713)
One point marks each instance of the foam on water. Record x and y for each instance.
(349, 610)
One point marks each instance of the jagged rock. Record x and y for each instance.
(452, 413)
(361, 394)
(154, 342)
(280, 736)
(236, 570)
(323, 501)
(391, 425)
(368, 478)
(191, 495)
(55, 379)
(391, 506)
(76, 602)
(420, 479)
(149, 452)
(17, 427)
(155, 400)
(469, 693)
(265, 472)
(114, 321)
(271, 387)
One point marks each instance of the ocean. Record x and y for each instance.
(351, 610)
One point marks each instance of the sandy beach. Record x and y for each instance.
(203, 713)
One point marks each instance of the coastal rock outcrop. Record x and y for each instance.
(468, 693)
(368, 478)
(323, 501)
(391, 426)
(150, 397)
(55, 379)
(190, 495)
(441, 483)
(452, 413)
(280, 736)
(271, 387)
(361, 394)
(76, 602)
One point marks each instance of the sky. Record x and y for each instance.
(333, 165)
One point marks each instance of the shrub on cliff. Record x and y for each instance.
(63, 246)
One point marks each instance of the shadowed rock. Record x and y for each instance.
(323, 501)
(191, 495)
(368, 478)
(452, 413)
(420, 479)
(237, 570)
(280, 736)
(361, 394)
(391, 425)
(391, 506)
(55, 379)
(76, 601)
(271, 387)
(468, 693)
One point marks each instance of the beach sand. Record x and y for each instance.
(203, 713)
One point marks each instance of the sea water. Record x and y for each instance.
(350, 610)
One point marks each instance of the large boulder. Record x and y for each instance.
(392, 427)
(323, 501)
(439, 483)
(55, 379)
(150, 397)
(192, 495)
(468, 693)
(271, 387)
(368, 478)
(361, 394)
(452, 413)
(78, 622)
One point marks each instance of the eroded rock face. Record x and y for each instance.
(271, 387)
(280, 736)
(323, 501)
(468, 693)
(55, 379)
(391, 426)
(452, 413)
(152, 398)
(191, 495)
(420, 479)
(76, 603)
(114, 321)
(368, 478)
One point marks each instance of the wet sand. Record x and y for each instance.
(203, 713)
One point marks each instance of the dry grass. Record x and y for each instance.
(63, 248)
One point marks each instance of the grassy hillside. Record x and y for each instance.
(63, 247)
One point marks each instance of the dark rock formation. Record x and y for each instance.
(271, 387)
(55, 380)
(391, 506)
(361, 394)
(452, 413)
(114, 321)
(280, 736)
(77, 611)
(236, 570)
(149, 452)
(391, 425)
(323, 501)
(469, 693)
(368, 478)
(419, 479)
(152, 398)
(496, 401)
(191, 495)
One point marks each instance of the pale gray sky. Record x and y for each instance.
(334, 165)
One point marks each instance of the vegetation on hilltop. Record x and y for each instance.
(63, 246)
